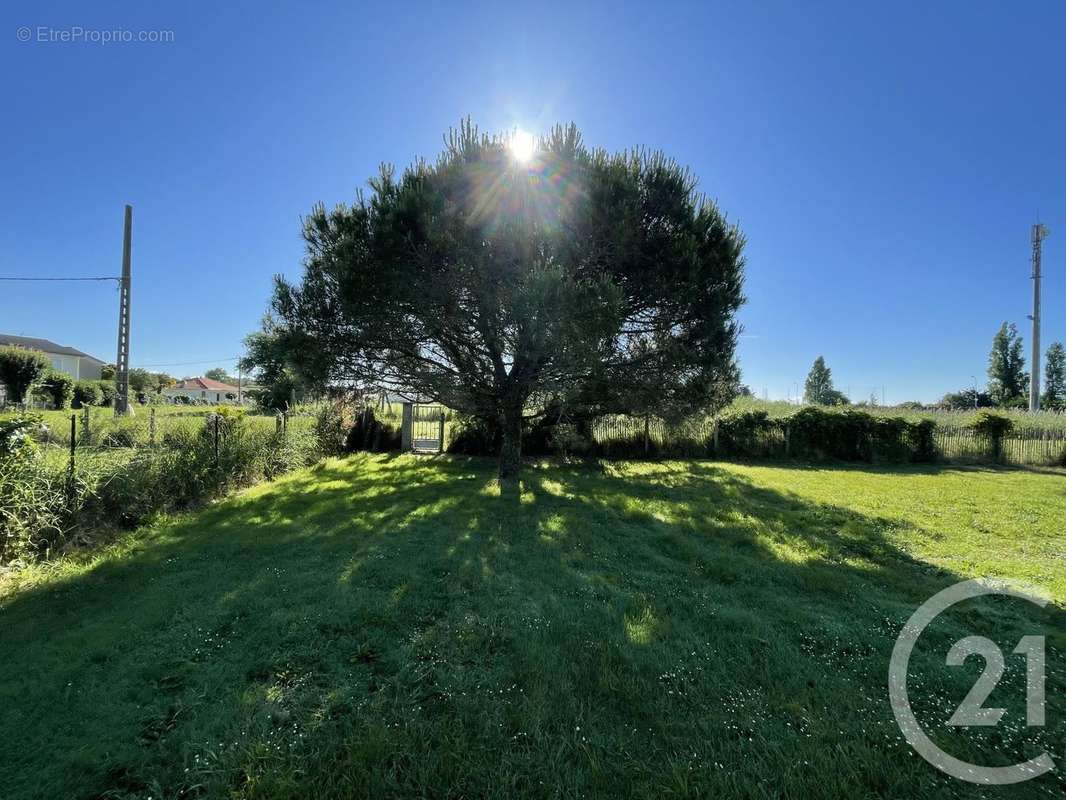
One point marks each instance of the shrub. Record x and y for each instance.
(834, 434)
(370, 434)
(994, 427)
(31, 495)
(566, 439)
(58, 389)
(332, 424)
(87, 393)
(920, 440)
(107, 393)
(15, 434)
(20, 369)
(473, 436)
(743, 433)
(991, 424)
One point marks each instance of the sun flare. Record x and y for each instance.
(523, 145)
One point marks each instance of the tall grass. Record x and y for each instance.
(45, 503)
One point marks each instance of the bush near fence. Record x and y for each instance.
(808, 433)
(48, 499)
(814, 433)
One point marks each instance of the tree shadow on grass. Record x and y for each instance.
(396, 627)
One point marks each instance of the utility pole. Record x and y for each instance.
(122, 358)
(1039, 234)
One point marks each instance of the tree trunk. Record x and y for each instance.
(510, 442)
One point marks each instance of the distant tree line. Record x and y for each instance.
(1008, 381)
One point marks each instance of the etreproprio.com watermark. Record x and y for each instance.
(972, 711)
(76, 34)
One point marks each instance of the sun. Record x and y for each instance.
(522, 145)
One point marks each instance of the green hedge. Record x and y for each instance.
(811, 433)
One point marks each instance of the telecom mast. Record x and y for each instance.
(1039, 234)
(122, 359)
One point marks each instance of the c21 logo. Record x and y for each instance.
(971, 711)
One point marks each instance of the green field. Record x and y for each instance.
(390, 626)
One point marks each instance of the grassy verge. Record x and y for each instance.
(391, 626)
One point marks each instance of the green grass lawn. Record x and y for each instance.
(393, 627)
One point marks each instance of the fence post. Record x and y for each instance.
(216, 439)
(277, 424)
(406, 425)
(73, 447)
(440, 433)
(151, 426)
(86, 431)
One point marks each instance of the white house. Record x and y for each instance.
(75, 363)
(195, 390)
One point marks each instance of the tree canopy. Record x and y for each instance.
(1008, 382)
(273, 355)
(1054, 397)
(220, 374)
(502, 286)
(818, 388)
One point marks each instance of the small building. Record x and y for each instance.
(75, 363)
(203, 390)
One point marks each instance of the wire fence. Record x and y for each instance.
(87, 437)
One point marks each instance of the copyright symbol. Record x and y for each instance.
(23, 34)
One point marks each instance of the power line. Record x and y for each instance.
(190, 363)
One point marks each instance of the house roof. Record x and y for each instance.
(204, 383)
(45, 345)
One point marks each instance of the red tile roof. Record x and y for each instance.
(205, 383)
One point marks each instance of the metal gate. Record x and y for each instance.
(427, 427)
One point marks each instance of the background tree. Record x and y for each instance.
(1054, 397)
(140, 380)
(272, 355)
(966, 399)
(220, 374)
(1008, 382)
(503, 287)
(57, 388)
(20, 370)
(818, 388)
(107, 372)
(161, 381)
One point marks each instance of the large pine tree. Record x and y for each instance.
(503, 283)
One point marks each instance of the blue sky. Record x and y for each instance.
(884, 160)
